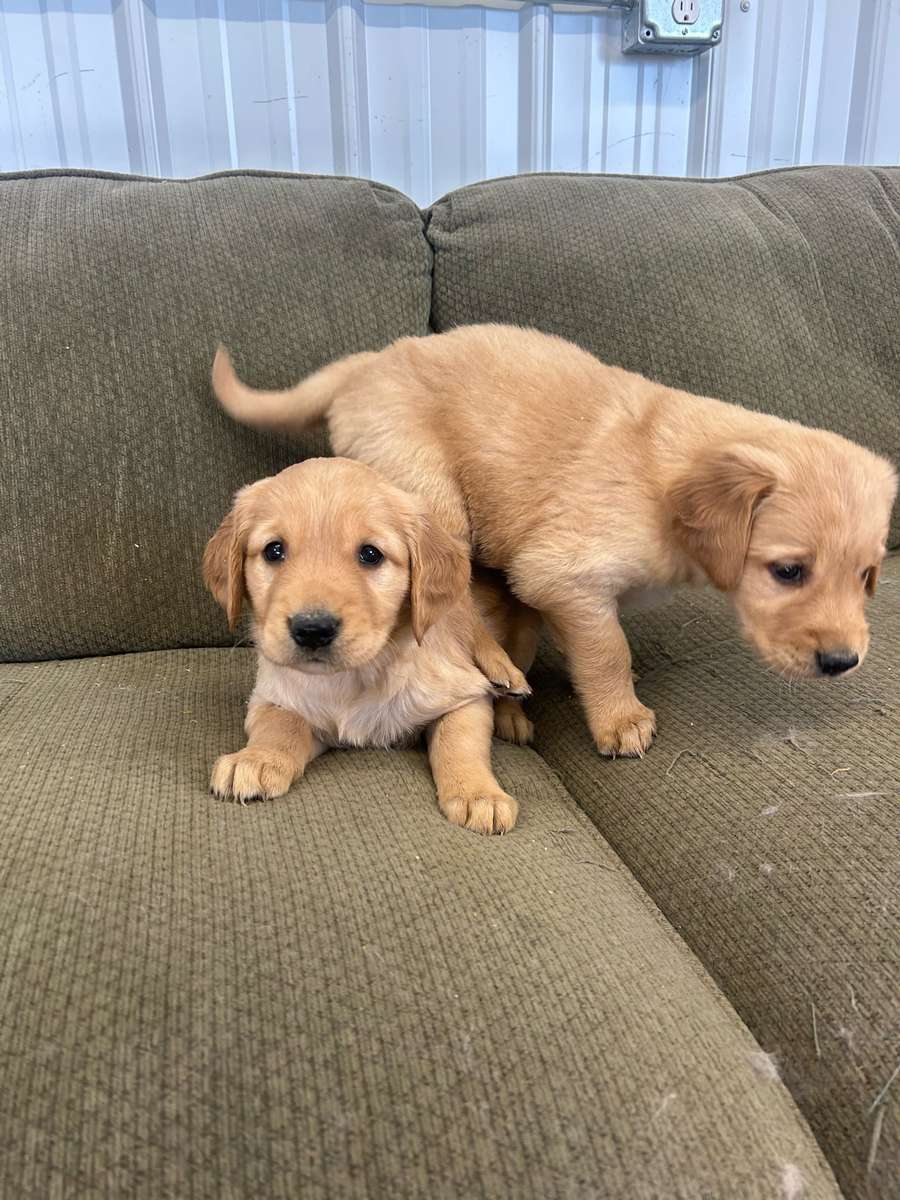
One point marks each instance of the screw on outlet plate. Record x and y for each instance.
(745, 5)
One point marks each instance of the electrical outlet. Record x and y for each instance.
(686, 12)
(672, 26)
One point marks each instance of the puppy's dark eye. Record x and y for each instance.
(788, 572)
(370, 556)
(274, 552)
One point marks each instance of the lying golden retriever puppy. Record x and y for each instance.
(363, 624)
(584, 483)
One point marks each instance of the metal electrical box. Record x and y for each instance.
(672, 26)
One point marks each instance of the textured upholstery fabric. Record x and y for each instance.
(116, 463)
(338, 994)
(764, 822)
(778, 291)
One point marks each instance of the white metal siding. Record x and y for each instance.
(427, 97)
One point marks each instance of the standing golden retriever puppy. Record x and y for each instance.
(363, 623)
(584, 482)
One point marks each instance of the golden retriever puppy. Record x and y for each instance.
(363, 624)
(584, 483)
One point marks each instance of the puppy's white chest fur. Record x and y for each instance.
(379, 705)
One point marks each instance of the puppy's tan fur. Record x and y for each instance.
(585, 483)
(402, 660)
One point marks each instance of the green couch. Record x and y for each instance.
(678, 977)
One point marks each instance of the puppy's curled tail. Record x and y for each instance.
(291, 411)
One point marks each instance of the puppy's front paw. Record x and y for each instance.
(510, 722)
(251, 775)
(506, 678)
(483, 811)
(625, 732)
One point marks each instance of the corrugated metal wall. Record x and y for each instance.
(428, 97)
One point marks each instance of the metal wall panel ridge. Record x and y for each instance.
(429, 97)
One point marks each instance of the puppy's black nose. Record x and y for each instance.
(836, 662)
(313, 630)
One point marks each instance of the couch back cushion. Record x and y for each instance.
(779, 291)
(116, 464)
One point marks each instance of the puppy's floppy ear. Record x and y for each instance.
(223, 565)
(713, 506)
(439, 572)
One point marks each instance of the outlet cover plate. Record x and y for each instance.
(649, 27)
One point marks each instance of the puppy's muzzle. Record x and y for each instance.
(314, 630)
(836, 662)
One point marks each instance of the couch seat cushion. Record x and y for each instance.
(339, 994)
(764, 822)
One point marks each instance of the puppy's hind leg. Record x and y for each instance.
(492, 659)
(459, 750)
(522, 632)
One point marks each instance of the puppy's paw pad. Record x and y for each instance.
(251, 775)
(628, 734)
(511, 724)
(482, 812)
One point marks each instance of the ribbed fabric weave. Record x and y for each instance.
(338, 993)
(764, 822)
